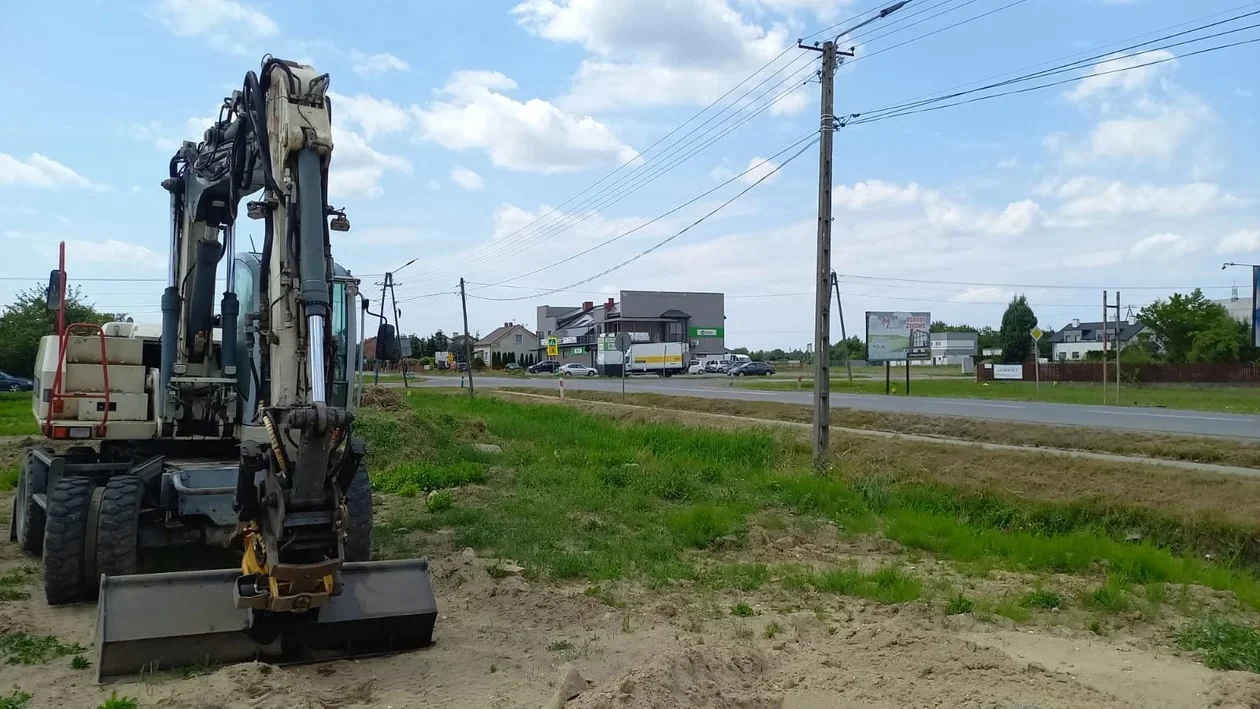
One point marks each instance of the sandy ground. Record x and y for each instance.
(513, 643)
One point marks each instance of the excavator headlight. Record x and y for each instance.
(339, 223)
(257, 210)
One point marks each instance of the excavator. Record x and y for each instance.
(233, 428)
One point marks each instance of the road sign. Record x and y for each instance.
(623, 341)
(553, 347)
(1037, 333)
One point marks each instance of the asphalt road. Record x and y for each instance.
(1198, 423)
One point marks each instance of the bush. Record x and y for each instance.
(479, 364)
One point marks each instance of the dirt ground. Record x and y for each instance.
(514, 643)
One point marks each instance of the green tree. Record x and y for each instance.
(1218, 342)
(28, 319)
(1177, 322)
(441, 343)
(1017, 322)
(496, 360)
(942, 326)
(988, 338)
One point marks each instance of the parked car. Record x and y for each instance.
(696, 368)
(752, 369)
(512, 367)
(714, 366)
(544, 367)
(573, 369)
(8, 382)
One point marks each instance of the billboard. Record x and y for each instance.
(897, 336)
(1008, 371)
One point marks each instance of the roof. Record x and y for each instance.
(674, 314)
(499, 332)
(1089, 331)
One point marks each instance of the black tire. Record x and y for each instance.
(358, 542)
(117, 527)
(28, 517)
(64, 538)
(15, 387)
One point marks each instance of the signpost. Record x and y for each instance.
(1036, 335)
(622, 343)
(553, 347)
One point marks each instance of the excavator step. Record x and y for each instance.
(164, 621)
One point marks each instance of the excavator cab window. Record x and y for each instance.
(342, 313)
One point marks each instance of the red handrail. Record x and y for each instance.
(56, 395)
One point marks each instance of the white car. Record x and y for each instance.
(696, 368)
(573, 369)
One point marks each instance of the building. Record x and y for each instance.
(698, 319)
(511, 343)
(1239, 308)
(951, 347)
(1074, 340)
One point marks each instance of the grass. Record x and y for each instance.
(742, 610)
(19, 648)
(1041, 599)
(17, 699)
(13, 581)
(117, 702)
(959, 604)
(16, 418)
(598, 498)
(1233, 399)
(1226, 645)
(1151, 445)
(79, 662)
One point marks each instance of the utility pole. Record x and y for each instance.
(822, 283)
(1107, 306)
(1104, 348)
(463, 301)
(376, 377)
(844, 336)
(1118, 347)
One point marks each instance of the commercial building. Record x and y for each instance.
(1072, 342)
(951, 347)
(698, 319)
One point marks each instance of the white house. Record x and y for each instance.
(1073, 341)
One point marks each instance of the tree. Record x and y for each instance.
(511, 358)
(496, 360)
(1177, 322)
(1017, 322)
(28, 319)
(440, 342)
(988, 338)
(1218, 342)
(942, 326)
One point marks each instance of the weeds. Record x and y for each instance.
(17, 699)
(959, 604)
(20, 648)
(12, 582)
(1109, 598)
(887, 585)
(79, 662)
(1041, 598)
(772, 629)
(440, 501)
(1226, 645)
(117, 702)
(560, 646)
(742, 610)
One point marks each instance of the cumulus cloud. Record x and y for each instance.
(644, 52)
(369, 65)
(357, 168)
(1123, 74)
(466, 178)
(169, 139)
(1089, 197)
(941, 212)
(530, 136)
(224, 24)
(374, 116)
(40, 172)
(1240, 241)
(1164, 246)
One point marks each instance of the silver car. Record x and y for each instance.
(573, 369)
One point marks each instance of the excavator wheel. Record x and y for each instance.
(358, 543)
(28, 517)
(117, 526)
(64, 540)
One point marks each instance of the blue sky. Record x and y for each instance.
(459, 124)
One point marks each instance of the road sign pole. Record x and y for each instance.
(1036, 365)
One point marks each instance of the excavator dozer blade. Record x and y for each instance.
(148, 622)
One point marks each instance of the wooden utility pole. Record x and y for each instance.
(1104, 347)
(822, 283)
(463, 301)
(844, 336)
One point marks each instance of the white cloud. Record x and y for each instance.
(223, 23)
(1099, 258)
(941, 212)
(530, 136)
(466, 178)
(986, 294)
(1088, 197)
(369, 65)
(1244, 93)
(166, 139)
(1153, 134)
(373, 115)
(651, 52)
(1164, 246)
(1126, 75)
(1240, 241)
(357, 168)
(823, 9)
(40, 172)
(757, 169)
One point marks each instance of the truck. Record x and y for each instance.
(664, 359)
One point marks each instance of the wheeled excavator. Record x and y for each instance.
(235, 428)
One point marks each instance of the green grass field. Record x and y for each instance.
(1233, 399)
(16, 418)
(593, 498)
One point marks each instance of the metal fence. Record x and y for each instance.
(1241, 373)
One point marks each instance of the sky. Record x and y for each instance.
(506, 142)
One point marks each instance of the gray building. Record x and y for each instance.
(511, 339)
(950, 347)
(698, 319)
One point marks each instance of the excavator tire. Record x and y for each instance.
(118, 523)
(28, 517)
(358, 543)
(64, 538)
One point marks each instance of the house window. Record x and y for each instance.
(1076, 355)
(673, 331)
(518, 339)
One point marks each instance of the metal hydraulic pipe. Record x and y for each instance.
(230, 308)
(315, 331)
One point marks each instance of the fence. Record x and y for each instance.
(1243, 373)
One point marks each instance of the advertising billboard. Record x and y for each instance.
(897, 336)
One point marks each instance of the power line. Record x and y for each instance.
(1017, 285)
(682, 231)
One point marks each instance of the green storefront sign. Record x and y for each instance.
(705, 332)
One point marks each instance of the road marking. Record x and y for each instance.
(712, 390)
(1177, 416)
